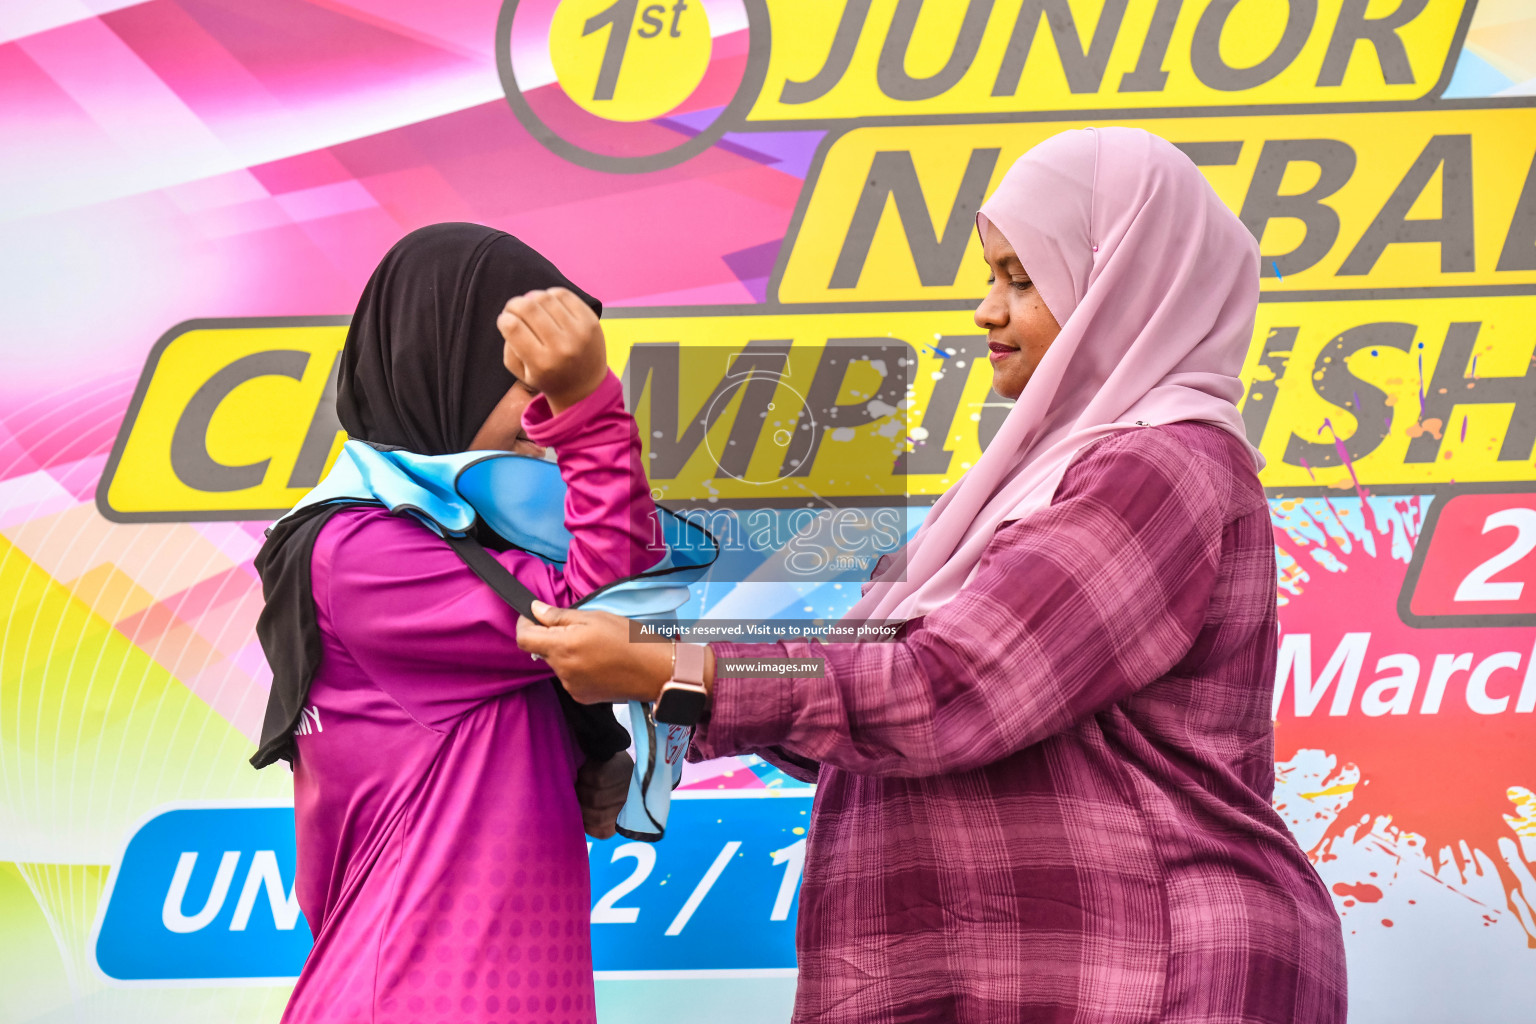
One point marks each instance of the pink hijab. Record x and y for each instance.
(1155, 284)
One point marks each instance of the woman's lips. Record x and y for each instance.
(999, 351)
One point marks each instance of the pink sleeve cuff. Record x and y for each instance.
(588, 423)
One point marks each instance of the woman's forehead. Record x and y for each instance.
(995, 245)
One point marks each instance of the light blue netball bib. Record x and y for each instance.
(523, 500)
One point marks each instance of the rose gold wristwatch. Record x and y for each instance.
(683, 697)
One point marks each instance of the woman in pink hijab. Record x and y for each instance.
(1050, 800)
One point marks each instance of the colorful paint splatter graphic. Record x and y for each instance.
(1404, 763)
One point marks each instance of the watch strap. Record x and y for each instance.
(688, 664)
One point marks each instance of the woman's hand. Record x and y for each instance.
(601, 789)
(554, 342)
(593, 655)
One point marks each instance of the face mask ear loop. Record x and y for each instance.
(1093, 193)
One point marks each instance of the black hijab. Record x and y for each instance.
(421, 370)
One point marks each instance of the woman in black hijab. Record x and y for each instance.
(423, 365)
(429, 752)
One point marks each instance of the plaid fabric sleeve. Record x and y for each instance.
(1072, 609)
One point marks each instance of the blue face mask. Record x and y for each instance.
(523, 500)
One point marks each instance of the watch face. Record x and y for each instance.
(680, 705)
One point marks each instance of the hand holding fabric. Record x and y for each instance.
(554, 343)
(593, 656)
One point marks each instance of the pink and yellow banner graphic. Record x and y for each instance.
(195, 191)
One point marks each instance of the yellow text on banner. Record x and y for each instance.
(865, 408)
(884, 58)
(1357, 201)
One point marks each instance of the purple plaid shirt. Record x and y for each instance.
(1050, 801)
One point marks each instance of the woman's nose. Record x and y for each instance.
(990, 313)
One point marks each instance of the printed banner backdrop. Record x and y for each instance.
(775, 198)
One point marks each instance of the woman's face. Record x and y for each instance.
(1019, 327)
(503, 428)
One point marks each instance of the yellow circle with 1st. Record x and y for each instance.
(629, 60)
